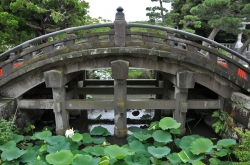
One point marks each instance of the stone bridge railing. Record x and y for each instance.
(113, 36)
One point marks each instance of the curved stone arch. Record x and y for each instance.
(30, 75)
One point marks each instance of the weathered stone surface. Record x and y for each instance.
(241, 100)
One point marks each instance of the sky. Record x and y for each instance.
(135, 10)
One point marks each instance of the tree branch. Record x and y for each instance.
(34, 26)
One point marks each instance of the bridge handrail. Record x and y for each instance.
(67, 30)
(212, 42)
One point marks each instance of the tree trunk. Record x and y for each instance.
(244, 46)
(162, 16)
(213, 34)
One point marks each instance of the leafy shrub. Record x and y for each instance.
(6, 130)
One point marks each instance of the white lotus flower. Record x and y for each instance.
(69, 133)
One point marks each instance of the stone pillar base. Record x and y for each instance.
(182, 132)
(61, 132)
(120, 133)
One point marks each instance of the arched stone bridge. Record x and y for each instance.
(60, 60)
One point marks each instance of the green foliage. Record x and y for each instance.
(144, 145)
(29, 127)
(7, 128)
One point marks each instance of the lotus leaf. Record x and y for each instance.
(154, 125)
(226, 142)
(86, 138)
(58, 147)
(99, 130)
(168, 123)
(63, 157)
(12, 153)
(116, 152)
(201, 146)
(214, 161)
(52, 140)
(131, 138)
(138, 147)
(41, 135)
(175, 131)
(77, 137)
(104, 161)
(162, 136)
(85, 159)
(99, 140)
(96, 150)
(158, 152)
(28, 156)
(142, 136)
(14, 162)
(221, 152)
(174, 158)
(186, 141)
(8, 145)
(197, 162)
(17, 138)
(183, 156)
(134, 129)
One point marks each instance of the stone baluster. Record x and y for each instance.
(184, 79)
(120, 75)
(9, 66)
(120, 28)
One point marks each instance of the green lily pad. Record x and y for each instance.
(17, 138)
(81, 159)
(12, 153)
(186, 141)
(77, 137)
(226, 143)
(134, 129)
(198, 162)
(99, 140)
(28, 156)
(175, 131)
(174, 158)
(96, 150)
(86, 138)
(168, 123)
(8, 145)
(14, 162)
(58, 147)
(214, 161)
(158, 152)
(99, 130)
(42, 135)
(63, 157)
(201, 146)
(146, 117)
(52, 140)
(142, 136)
(104, 161)
(131, 138)
(183, 156)
(154, 125)
(162, 136)
(116, 152)
(221, 152)
(36, 162)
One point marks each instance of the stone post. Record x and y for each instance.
(184, 79)
(55, 79)
(120, 28)
(120, 75)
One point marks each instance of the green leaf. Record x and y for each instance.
(214, 161)
(29, 156)
(104, 161)
(52, 140)
(99, 130)
(134, 129)
(58, 147)
(12, 153)
(38, 162)
(14, 162)
(42, 135)
(86, 138)
(226, 143)
(221, 152)
(99, 140)
(8, 145)
(183, 156)
(154, 125)
(168, 123)
(137, 147)
(77, 137)
(162, 136)
(141, 136)
(63, 157)
(131, 138)
(17, 138)
(116, 152)
(175, 131)
(43, 148)
(201, 146)
(174, 158)
(81, 159)
(96, 150)
(158, 152)
(186, 141)
(197, 162)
